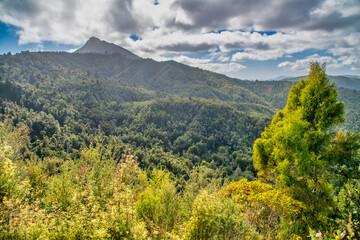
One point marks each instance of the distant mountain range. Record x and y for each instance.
(95, 45)
(349, 81)
(127, 77)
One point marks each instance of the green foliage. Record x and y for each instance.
(349, 203)
(12, 148)
(300, 153)
(352, 100)
(215, 218)
(99, 196)
(159, 204)
(276, 92)
(271, 211)
(87, 198)
(194, 129)
(67, 171)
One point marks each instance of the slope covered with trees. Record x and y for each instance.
(67, 180)
(107, 146)
(167, 108)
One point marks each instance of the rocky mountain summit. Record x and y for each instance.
(95, 45)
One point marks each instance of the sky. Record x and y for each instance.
(246, 39)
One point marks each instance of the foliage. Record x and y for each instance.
(101, 197)
(300, 153)
(349, 203)
(12, 148)
(215, 218)
(137, 149)
(158, 204)
(63, 119)
(269, 209)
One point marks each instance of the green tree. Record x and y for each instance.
(300, 152)
(349, 204)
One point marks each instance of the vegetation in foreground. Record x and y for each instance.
(308, 184)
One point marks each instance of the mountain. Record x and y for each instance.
(166, 107)
(351, 82)
(168, 113)
(143, 149)
(280, 78)
(167, 77)
(352, 76)
(95, 45)
(157, 72)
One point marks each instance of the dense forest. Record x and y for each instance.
(106, 147)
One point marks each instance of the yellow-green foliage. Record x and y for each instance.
(102, 194)
(98, 197)
(81, 199)
(214, 217)
(158, 204)
(12, 147)
(349, 202)
(269, 209)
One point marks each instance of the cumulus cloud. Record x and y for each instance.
(303, 64)
(73, 22)
(270, 15)
(237, 27)
(257, 55)
(208, 64)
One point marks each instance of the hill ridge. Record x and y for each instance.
(95, 45)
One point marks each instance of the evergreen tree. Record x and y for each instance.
(300, 152)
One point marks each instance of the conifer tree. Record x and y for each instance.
(301, 152)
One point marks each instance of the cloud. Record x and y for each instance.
(188, 47)
(303, 64)
(207, 64)
(257, 55)
(93, 17)
(352, 61)
(235, 27)
(224, 67)
(267, 15)
(121, 17)
(332, 15)
(191, 61)
(73, 22)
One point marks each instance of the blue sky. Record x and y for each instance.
(9, 42)
(245, 39)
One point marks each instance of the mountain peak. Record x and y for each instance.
(94, 40)
(95, 45)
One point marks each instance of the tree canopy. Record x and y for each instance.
(136, 149)
(301, 151)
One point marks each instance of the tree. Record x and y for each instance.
(301, 153)
(349, 203)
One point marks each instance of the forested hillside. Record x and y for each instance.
(162, 135)
(276, 92)
(186, 112)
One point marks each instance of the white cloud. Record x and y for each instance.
(303, 64)
(207, 64)
(181, 26)
(352, 61)
(191, 61)
(257, 55)
(224, 67)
